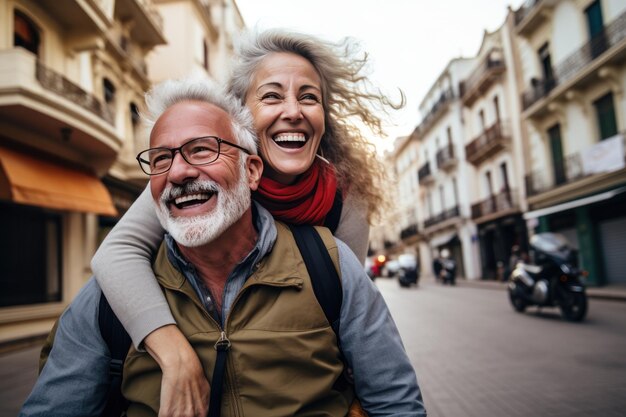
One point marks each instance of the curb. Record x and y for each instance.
(592, 292)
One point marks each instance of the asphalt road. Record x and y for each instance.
(474, 356)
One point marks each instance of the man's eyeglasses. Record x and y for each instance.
(199, 151)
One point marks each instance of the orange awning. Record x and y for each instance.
(35, 181)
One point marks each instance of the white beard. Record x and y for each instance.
(202, 229)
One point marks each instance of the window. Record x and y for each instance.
(556, 147)
(496, 107)
(489, 183)
(134, 115)
(595, 27)
(442, 197)
(605, 114)
(109, 91)
(30, 244)
(205, 54)
(25, 33)
(481, 120)
(595, 23)
(455, 190)
(505, 177)
(449, 134)
(546, 68)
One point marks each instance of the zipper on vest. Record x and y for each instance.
(222, 343)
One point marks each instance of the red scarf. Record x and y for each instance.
(307, 201)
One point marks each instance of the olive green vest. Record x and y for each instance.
(283, 359)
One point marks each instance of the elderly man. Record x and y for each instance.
(283, 359)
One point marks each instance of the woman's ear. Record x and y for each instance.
(254, 168)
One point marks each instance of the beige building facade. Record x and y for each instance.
(72, 79)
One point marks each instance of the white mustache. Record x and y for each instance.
(174, 191)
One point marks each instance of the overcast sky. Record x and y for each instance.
(410, 41)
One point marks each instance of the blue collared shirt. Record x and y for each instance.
(75, 379)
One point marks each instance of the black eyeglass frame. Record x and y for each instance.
(173, 151)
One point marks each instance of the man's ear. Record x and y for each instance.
(254, 168)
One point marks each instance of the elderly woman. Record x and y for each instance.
(304, 95)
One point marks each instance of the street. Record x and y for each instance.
(475, 356)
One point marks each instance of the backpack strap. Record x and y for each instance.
(331, 221)
(118, 342)
(324, 276)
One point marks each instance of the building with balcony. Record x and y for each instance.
(574, 113)
(199, 37)
(444, 215)
(493, 147)
(70, 73)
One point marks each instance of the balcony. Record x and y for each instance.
(579, 68)
(579, 169)
(409, 232)
(128, 54)
(424, 175)
(443, 216)
(147, 27)
(493, 140)
(495, 206)
(483, 77)
(532, 14)
(79, 17)
(43, 101)
(435, 112)
(446, 158)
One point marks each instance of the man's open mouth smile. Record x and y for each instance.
(191, 200)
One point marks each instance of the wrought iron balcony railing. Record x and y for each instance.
(612, 35)
(502, 202)
(446, 157)
(435, 111)
(60, 85)
(525, 10)
(482, 77)
(424, 174)
(488, 143)
(409, 231)
(570, 169)
(443, 216)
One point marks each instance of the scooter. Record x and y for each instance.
(407, 273)
(448, 271)
(553, 281)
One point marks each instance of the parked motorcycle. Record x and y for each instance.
(552, 281)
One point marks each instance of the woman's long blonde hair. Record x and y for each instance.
(347, 96)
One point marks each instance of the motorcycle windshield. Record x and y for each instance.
(554, 244)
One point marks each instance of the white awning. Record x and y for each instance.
(442, 239)
(574, 203)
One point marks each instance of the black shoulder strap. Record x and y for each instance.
(332, 217)
(324, 276)
(118, 342)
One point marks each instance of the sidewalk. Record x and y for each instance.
(614, 292)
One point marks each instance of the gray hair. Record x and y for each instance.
(348, 96)
(170, 92)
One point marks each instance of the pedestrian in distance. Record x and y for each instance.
(233, 277)
(303, 94)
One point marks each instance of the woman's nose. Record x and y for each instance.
(292, 109)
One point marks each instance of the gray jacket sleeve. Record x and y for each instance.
(368, 334)
(123, 267)
(75, 379)
(353, 227)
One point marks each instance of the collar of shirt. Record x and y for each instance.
(266, 229)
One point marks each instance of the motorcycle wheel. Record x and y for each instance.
(519, 304)
(574, 307)
(403, 283)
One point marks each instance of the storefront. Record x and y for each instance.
(596, 226)
(497, 238)
(48, 213)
